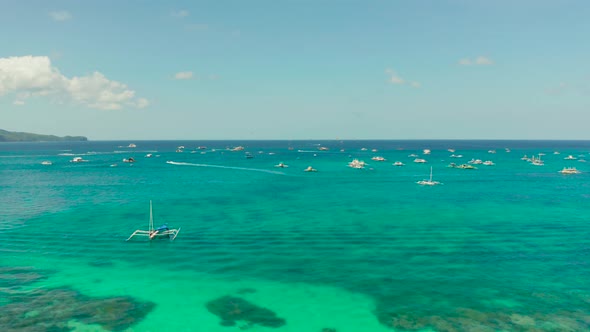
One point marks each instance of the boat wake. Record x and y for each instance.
(226, 167)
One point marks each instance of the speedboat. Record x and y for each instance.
(281, 165)
(129, 160)
(131, 145)
(149, 155)
(451, 150)
(492, 151)
(398, 163)
(456, 156)
(556, 152)
(310, 169)
(237, 148)
(419, 161)
(570, 157)
(323, 148)
(475, 161)
(378, 158)
(488, 163)
(569, 170)
(413, 155)
(426, 151)
(374, 150)
(47, 163)
(78, 160)
(364, 149)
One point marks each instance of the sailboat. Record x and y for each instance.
(152, 233)
(428, 182)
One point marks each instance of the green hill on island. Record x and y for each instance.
(12, 136)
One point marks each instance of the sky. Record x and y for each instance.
(438, 69)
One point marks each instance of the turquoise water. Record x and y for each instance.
(500, 248)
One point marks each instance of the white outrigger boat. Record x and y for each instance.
(152, 233)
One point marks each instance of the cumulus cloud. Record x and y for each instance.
(184, 75)
(394, 78)
(34, 76)
(479, 61)
(180, 13)
(60, 15)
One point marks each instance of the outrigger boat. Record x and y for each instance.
(152, 233)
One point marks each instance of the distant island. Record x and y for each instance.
(12, 136)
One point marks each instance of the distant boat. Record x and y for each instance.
(556, 152)
(149, 155)
(47, 163)
(355, 163)
(413, 155)
(570, 157)
(249, 155)
(492, 151)
(310, 169)
(131, 145)
(378, 158)
(323, 148)
(364, 149)
(129, 160)
(489, 163)
(426, 151)
(420, 161)
(462, 166)
(428, 182)
(569, 170)
(451, 150)
(281, 165)
(237, 148)
(78, 160)
(456, 156)
(537, 161)
(398, 163)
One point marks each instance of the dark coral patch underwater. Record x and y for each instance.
(232, 309)
(43, 310)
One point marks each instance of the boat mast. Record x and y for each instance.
(430, 173)
(151, 226)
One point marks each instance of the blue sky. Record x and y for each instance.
(296, 69)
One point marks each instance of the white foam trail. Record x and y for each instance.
(226, 167)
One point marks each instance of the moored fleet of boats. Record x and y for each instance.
(356, 163)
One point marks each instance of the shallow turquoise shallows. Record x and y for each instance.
(262, 248)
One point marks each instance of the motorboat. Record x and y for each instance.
(378, 158)
(426, 151)
(462, 166)
(129, 160)
(149, 155)
(398, 163)
(131, 145)
(46, 163)
(570, 157)
(456, 156)
(475, 161)
(237, 148)
(364, 149)
(492, 151)
(420, 161)
(451, 150)
(556, 152)
(310, 169)
(489, 163)
(413, 155)
(374, 150)
(323, 148)
(281, 165)
(78, 160)
(569, 170)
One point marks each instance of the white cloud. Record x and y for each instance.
(184, 75)
(60, 15)
(394, 78)
(180, 13)
(34, 76)
(478, 61)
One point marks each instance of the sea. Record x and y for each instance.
(504, 247)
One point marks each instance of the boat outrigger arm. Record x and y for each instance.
(156, 232)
